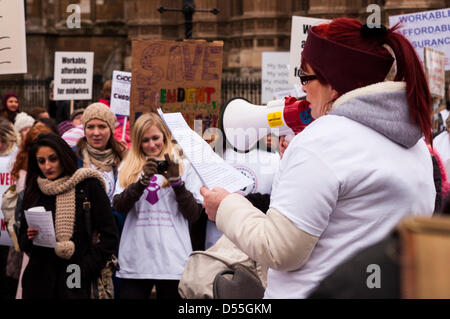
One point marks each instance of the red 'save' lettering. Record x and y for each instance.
(6, 179)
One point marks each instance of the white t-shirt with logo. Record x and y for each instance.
(258, 165)
(155, 242)
(110, 183)
(348, 192)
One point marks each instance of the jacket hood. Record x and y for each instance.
(383, 107)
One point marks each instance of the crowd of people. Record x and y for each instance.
(341, 185)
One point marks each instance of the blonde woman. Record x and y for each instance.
(155, 242)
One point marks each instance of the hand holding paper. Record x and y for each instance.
(210, 167)
(212, 199)
(40, 227)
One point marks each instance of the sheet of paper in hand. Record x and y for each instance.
(38, 217)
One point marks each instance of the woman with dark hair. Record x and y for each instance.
(38, 113)
(55, 183)
(346, 180)
(10, 102)
(50, 123)
(19, 172)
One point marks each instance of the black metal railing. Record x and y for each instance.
(248, 88)
(33, 93)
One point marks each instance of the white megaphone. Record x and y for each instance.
(244, 124)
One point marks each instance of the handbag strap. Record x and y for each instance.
(87, 214)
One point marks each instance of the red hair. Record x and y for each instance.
(409, 68)
(445, 184)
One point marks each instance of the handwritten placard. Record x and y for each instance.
(275, 77)
(73, 75)
(13, 52)
(435, 70)
(176, 76)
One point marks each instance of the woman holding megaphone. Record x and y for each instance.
(352, 174)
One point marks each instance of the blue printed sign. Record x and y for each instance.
(426, 29)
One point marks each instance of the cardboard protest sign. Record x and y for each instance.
(120, 93)
(177, 77)
(275, 77)
(426, 29)
(13, 51)
(73, 75)
(299, 33)
(435, 71)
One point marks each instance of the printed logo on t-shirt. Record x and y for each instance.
(153, 188)
(250, 174)
(109, 183)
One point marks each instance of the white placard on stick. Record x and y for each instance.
(120, 93)
(426, 29)
(73, 75)
(275, 77)
(299, 33)
(13, 50)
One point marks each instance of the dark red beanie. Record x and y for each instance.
(343, 67)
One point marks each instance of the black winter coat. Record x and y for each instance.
(47, 275)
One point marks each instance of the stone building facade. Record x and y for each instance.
(247, 28)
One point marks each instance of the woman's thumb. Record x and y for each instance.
(204, 191)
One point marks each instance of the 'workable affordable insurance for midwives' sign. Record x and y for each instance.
(426, 29)
(73, 75)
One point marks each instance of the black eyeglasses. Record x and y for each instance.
(304, 79)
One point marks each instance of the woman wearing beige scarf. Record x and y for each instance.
(99, 149)
(55, 182)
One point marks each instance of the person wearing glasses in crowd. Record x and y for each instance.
(346, 180)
